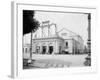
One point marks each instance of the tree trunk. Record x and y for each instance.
(31, 46)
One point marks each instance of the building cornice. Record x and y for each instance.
(46, 38)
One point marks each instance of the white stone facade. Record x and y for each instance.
(63, 41)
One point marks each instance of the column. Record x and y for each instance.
(41, 48)
(56, 47)
(47, 47)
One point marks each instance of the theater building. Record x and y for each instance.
(47, 40)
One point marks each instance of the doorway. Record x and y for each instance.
(50, 49)
(43, 49)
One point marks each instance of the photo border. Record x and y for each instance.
(17, 67)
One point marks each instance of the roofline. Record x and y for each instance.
(67, 30)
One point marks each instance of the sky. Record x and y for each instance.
(75, 22)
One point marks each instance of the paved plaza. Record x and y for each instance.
(56, 61)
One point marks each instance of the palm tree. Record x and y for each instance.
(30, 25)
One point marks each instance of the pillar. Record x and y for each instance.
(47, 45)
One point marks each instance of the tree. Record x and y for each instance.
(29, 22)
(30, 25)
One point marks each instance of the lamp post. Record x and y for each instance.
(30, 60)
(88, 58)
(89, 34)
(31, 45)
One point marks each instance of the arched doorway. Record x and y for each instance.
(43, 49)
(50, 49)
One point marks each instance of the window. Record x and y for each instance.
(66, 44)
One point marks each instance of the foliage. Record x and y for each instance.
(29, 22)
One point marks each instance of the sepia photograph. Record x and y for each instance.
(56, 39)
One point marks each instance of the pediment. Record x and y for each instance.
(66, 34)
